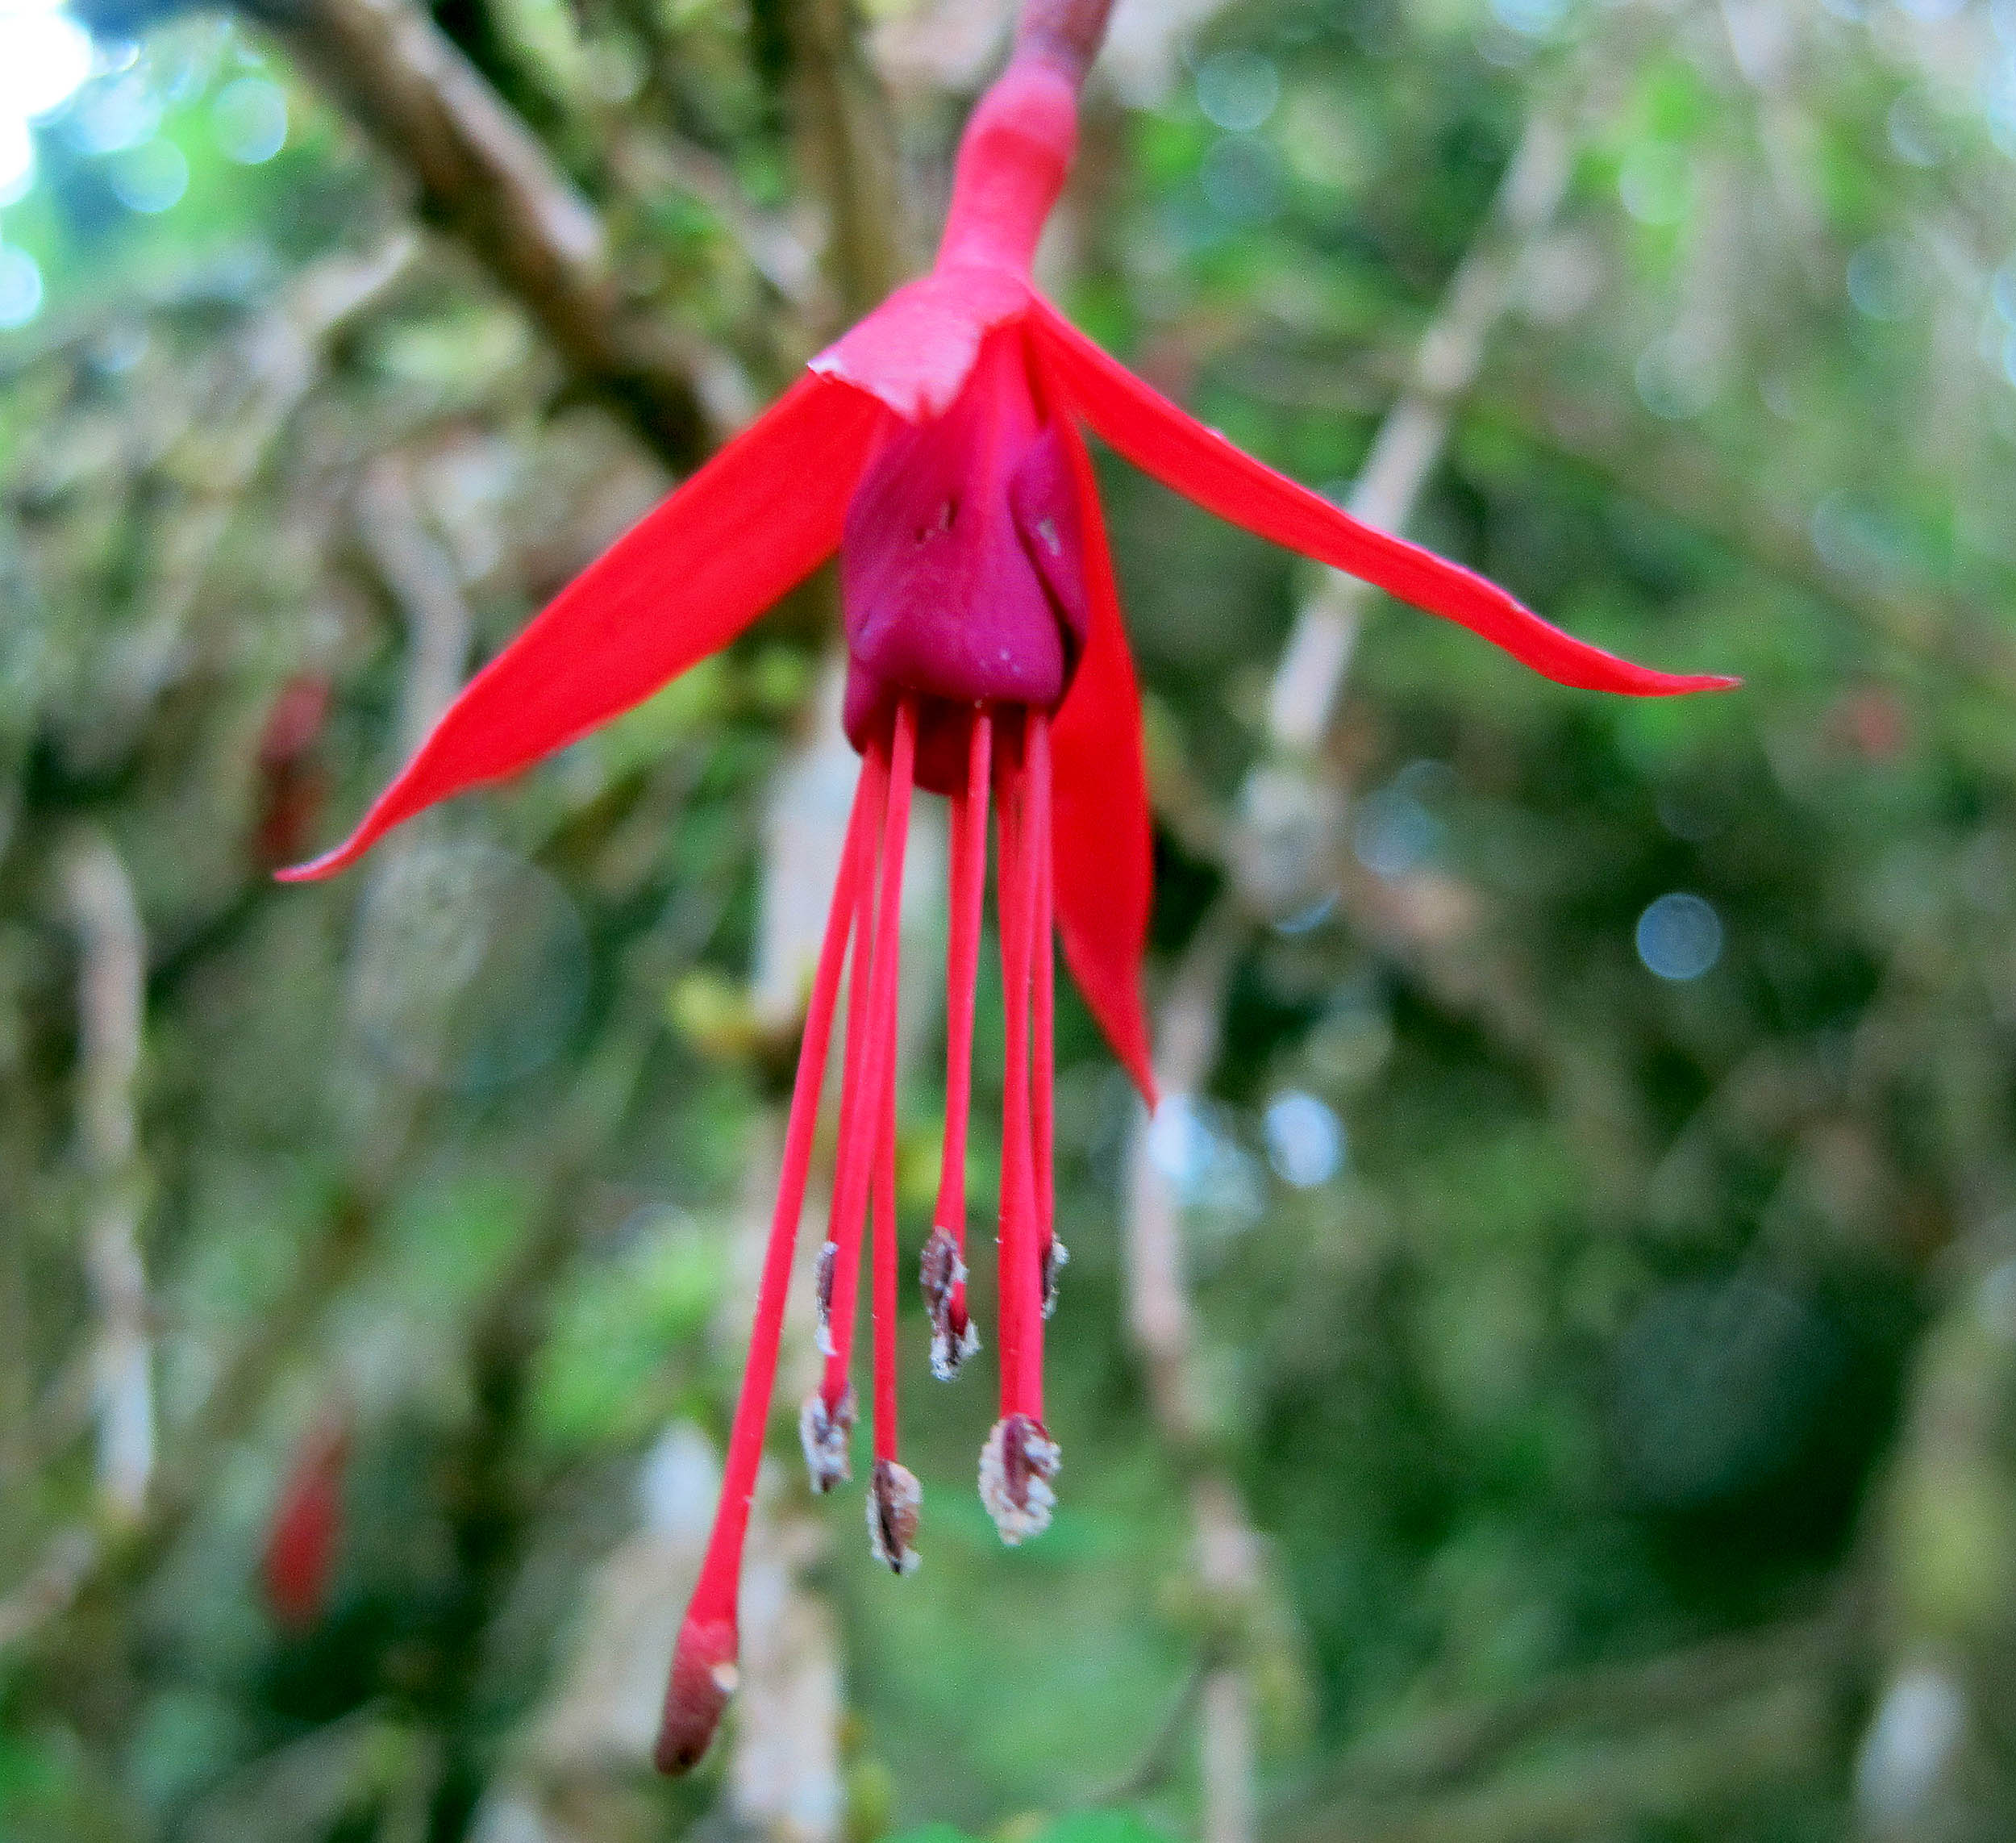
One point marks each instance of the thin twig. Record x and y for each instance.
(1409, 442)
(485, 178)
(1447, 1749)
(847, 147)
(111, 1002)
(281, 357)
(421, 579)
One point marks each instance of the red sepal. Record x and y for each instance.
(1102, 846)
(679, 585)
(1151, 431)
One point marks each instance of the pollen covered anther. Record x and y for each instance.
(824, 1433)
(894, 1497)
(1056, 1258)
(942, 1275)
(822, 1274)
(1016, 1466)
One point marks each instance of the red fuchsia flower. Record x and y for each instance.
(938, 448)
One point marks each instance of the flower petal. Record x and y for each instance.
(915, 351)
(679, 585)
(1203, 466)
(1102, 850)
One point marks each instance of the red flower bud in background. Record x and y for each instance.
(306, 1529)
(292, 785)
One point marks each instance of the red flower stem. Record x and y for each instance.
(1043, 948)
(962, 973)
(878, 1065)
(1067, 33)
(714, 1597)
(839, 1275)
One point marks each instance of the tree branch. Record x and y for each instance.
(487, 180)
(1409, 442)
(111, 1007)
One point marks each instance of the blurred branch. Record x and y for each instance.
(1445, 1749)
(484, 178)
(1159, 1319)
(847, 146)
(1161, 1322)
(421, 579)
(280, 356)
(111, 1004)
(1726, 1753)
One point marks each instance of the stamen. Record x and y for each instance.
(1055, 1257)
(942, 1274)
(871, 1072)
(703, 1670)
(1021, 1276)
(836, 1277)
(894, 1498)
(882, 1304)
(954, 1338)
(822, 1294)
(824, 1432)
(1015, 996)
(1050, 1254)
(1016, 1466)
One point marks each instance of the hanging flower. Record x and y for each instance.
(937, 447)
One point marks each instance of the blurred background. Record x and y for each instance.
(1549, 1369)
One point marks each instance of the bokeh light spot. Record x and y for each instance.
(1238, 91)
(1304, 1140)
(1679, 936)
(249, 119)
(150, 178)
(1884, 281)
(20, 287)
(1242, 178)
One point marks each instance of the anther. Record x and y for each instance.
(823, 1275)
(824, 1432)
(893, 1497)
(1016, 1466)
(942, 1274)
(1056, 1258)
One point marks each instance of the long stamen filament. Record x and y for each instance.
(826, 1424)
(871, 1078)
(953, 1337)
(1050, 1254)
(1019, 1459)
